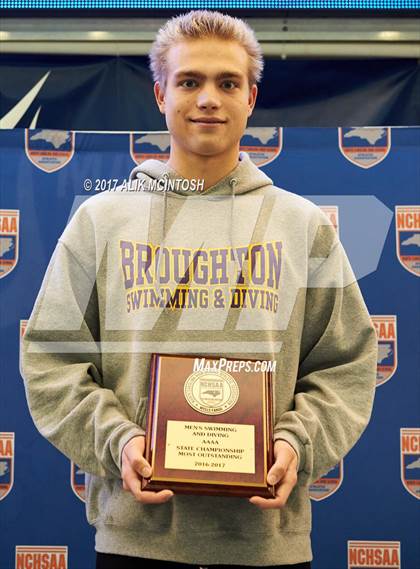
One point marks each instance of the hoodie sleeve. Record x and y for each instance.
(336, 378)
(61, 362)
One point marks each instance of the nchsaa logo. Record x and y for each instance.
(263, 144)
(365, 146)
(9, 240)
(77, 480)
(407, 232)
(410, 460)
(373, 554)
(7, 461)
(149, 145)
(49, 150)
(42, 556)
(22, 330)
(386, 332)
(331, 211)
(328, 484)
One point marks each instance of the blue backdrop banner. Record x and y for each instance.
(367, 180)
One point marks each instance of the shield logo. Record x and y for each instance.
(364, 146)
(210, 392)
(410, 460)
(45, 556)
(331, 211)
(7, 461)
(386, 331)
(263, 144)
(9, 240)
(146, 145)
(49, 150)
(373, 554)
(327, 484)
(77, 480)
(407, 227)
(23, 324)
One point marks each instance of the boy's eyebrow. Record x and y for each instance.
(199, 74)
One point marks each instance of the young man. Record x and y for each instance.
(274, 284)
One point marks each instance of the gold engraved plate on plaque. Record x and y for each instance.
(217, 447)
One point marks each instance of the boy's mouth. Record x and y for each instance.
(208, 120)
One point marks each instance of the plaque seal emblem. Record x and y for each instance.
(211, 392)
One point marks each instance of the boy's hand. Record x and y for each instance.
(283, 473)
(134, 465)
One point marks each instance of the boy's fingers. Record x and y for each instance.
(132, 483)
(133, 454)
(285, 488)
(140, 465)
(277, 471)
(156, 497)
(266, 504)
(283, 491)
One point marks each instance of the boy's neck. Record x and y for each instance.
(210, 168)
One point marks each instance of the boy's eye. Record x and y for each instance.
(229, 84)
(188, 83)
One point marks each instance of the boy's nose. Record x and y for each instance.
(208, 99)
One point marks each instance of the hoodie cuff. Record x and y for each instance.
(294, 442)
(121, 438)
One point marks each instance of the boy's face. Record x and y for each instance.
(207, 100)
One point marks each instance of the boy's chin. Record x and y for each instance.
(208, 150)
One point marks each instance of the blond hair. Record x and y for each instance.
(198, 24)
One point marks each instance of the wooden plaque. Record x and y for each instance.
(209, 426)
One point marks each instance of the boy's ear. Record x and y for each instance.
(159, 96)
(252, 98)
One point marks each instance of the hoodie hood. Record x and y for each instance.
(245, 177)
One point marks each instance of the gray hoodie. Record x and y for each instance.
(243, 269)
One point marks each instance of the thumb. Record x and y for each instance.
(277, 471)
(133, 451)
(285, 454)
